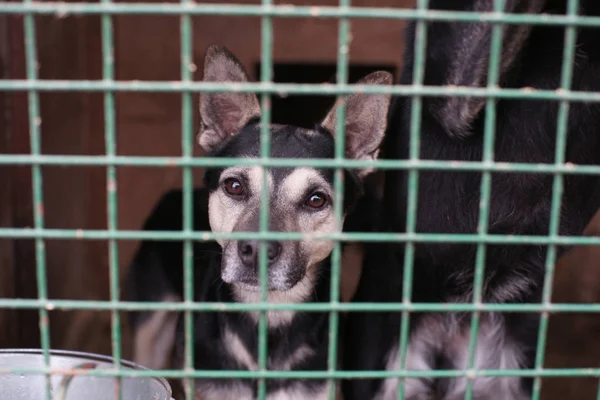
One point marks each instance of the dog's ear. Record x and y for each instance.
(223, 114)
(366, 120)
(463, 53)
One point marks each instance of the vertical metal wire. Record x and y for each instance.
(557, 188)
(485, 192)
(35, 121)
(338, 187)
(413, 187)
(265, 152)
(187, 68)
(111, 187)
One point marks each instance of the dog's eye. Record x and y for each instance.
(233, 187)
(316, 200)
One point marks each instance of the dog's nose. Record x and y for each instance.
(248, 252)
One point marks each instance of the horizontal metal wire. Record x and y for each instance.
(138, 161)
(61, 10)
(29, 233)
(271, 374)
(97, 305)
(525, 93)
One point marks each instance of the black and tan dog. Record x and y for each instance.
(300, 200)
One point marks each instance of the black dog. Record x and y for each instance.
(448, 202)
(300, 200)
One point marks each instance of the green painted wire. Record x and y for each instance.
(420, 165)
(485, 192)
(241, 374)
(343, 52)
(187, 68)
(293, 89)
(285, 10)
(35, 122)
(266, 73)
(108, 61)
(100, 305)
(557, 189)
(346, 237)
(413, 190)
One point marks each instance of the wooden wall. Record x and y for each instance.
(7, 289)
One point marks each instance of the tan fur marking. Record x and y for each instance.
(154, 339)
(299, 393)
(291, 191)
(224, 211)
(238, 351)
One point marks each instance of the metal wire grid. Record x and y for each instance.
(344, 12)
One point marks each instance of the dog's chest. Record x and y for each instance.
(442, 342)
(235, 352)
(283, 359)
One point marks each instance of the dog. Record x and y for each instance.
(300, 200)
(448, 202)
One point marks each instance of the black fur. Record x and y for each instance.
(448, 202)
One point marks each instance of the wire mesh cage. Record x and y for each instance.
(268, 11)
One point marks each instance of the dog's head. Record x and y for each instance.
(300, 199)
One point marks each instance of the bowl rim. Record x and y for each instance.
(89, 357)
